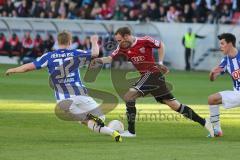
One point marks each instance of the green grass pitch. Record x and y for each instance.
(29, 129)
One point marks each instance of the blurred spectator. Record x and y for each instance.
(87, 44)
(14, 13)
(153, 12)
(35, 10)
(162, 14)
(38, 46)
(132, 15)
(62, 11)
(48, 43)
(190, 11)
(172, 14)
(213, 15)
(85, 12)
(42, 15)
(105, 12)
(27, 44)
(118, 15)
(187, 14)
(50, 14)
(2, 2)
(15, 45)
(143, 15)
(95, 11)
(235, 5)
(236, 18)
(4, 13)
(3, 45)
(8, 8)
(72, 14)
(225, 15)
(194, 12)
(202, 12)
(23, 9)
(125, 12)
(49, 6)
(76, 44)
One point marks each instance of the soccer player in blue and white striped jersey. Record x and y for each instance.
(63, 67)
(230, 64)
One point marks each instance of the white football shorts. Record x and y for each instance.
(82, 105)
(230, 99)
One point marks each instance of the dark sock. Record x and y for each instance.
(131, 115)
(190, 114)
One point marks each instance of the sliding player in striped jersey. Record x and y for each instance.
(230, 64)
(63, 67)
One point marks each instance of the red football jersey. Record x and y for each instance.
(141, 54)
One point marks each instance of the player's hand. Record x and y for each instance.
(163, 69)
(215, 72)
(94, 38)
(96, 63)
(9, 72)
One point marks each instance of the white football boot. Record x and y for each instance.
(128, 134)
(209, 127)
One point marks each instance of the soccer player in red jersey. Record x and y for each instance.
(138, 50)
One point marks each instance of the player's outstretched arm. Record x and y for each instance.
(21, 69)
(161, 54)
(215, 72)
(95, 47)
(99, 61)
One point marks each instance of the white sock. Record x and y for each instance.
(214, 116)
(94, 127)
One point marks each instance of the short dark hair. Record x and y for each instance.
(229, 38)
(123, 31)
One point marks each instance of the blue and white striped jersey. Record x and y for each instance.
(232, 66)
(63, 67)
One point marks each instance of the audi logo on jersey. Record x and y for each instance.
(138, 59)
(236, 74)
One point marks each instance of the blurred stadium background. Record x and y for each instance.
(34, 25)
(30, 130)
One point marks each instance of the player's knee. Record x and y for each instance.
(127, 97)
(212, 100)
(131, 95)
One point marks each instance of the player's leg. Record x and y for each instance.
(162, 94)
(130, 99)
(138, 90)
(185, 111)
(85, 110)
(99, 128)
(190, 114)
(213, 101)
(95, 127)
(229, 99)
(95, 118)
(187, 58)
(192, 59)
